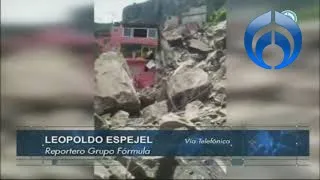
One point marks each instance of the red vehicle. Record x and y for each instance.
(136, 42)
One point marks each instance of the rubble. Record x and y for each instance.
(147, 98)
(120, 119)
(196, 172)
(192, 111)
(220, 99)
(111, 169)
(150, 95)
(115, 90)
(199, 45)
(189, 95)
(154, 112)
(204, 169)
(187, 84)
(172, 121)
(195, 90)
(141, 167)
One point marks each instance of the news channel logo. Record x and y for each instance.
(287, 20)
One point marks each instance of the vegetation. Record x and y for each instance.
(218, 16)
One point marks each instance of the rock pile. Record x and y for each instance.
(189, 94)
(193, 64)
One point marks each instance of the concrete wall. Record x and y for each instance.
(196, 14)
(171, 21)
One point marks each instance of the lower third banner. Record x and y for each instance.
(163, 143)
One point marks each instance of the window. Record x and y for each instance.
(152, 33)
(140, 33)
(127, 32)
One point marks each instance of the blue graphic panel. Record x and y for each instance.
(163, 143)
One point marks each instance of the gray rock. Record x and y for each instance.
(199, 45)
(154, 111)
(202, 65)
(140, 167)
(187, 84)
(199, 168)
(100, 172)
(121, 115)
(173, 34)
(218, 121)
(198, 57)
(219, 87)
(187, 63)
(147, 96)
(103, 121)
(119, 119)
(194, 172)
(115, 90)
(112, 169)
(192, 111)
(220, 43)
(173, 121)
(209, 33)
(220, 99)
(214, 56)
(222, 112)
(207, 114)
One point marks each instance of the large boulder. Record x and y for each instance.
(187, 84)
(114, 85)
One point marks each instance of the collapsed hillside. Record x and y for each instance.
(189, 94)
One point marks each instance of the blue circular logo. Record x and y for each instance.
(280, 19)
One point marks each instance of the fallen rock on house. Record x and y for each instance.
(115, 90)
(189, 95)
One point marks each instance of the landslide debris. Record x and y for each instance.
(189, 94)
